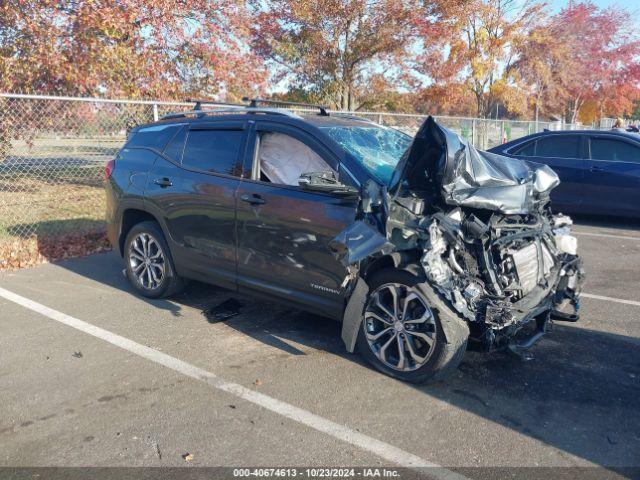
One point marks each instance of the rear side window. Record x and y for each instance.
(559, 146)
(155, 137)
(138, 158)
(615, 150)
(213, 150)
(176, 146)
(526, 150)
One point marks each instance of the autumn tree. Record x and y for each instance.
(582, 63)
(161, 49)
(540, 69)
(479, 48)
(605, 56)
(335, 50)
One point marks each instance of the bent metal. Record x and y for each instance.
(480, 229)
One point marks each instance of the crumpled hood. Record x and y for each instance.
(440, 163)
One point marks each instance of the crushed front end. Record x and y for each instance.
(481, 229)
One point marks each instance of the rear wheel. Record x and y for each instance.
(408, 331)
(148, 263)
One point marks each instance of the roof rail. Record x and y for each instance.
(199, 103)
(231, 109)
(253, 102)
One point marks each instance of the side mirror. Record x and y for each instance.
(326, 182)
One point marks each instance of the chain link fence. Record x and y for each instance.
(53, 152)
(483, 133)
(52, 156)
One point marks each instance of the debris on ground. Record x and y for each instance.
(188, 457)
(158, 452)
(77, 354)
(223, 311)
(258, 382)
(233, 407)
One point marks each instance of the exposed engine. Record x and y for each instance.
(498, 271)
(481, 228)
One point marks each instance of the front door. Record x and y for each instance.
(283, 230)
(563, 153)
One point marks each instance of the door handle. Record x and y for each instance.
(596, 169)
(254, 199)
(163, 182)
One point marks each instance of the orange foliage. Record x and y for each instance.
(160, 49)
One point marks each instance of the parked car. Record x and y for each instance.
(599, 170)
(397, 238)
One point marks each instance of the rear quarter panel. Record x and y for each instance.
(125, 187)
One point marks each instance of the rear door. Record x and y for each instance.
(283, 230)
(613, 175)
(193, 186)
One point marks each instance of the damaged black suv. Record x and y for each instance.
(417, 245)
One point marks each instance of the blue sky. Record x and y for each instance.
(628, 4)
(632, 6)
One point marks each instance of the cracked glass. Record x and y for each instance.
(378, 149)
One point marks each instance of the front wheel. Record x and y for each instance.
(408, 331)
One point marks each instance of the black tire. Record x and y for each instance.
(170, 282)
(451, 332)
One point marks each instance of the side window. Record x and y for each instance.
(213, 150)
(283, 159)
(616, 150)
(526, 150)
(559, 146)
(155, 137)
(138, 158)
(175, 147)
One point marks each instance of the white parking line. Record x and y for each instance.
(610, 299)
(605, 235)
(346, 434)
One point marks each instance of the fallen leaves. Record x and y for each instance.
(17, 253)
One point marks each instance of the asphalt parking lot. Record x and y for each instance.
(272, 386)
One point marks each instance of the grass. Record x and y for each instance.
(53, 186)
(30, 206)
(52, 200)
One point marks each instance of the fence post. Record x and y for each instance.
(502, 139)
(380, 119)
(155, 112)
(473, 131)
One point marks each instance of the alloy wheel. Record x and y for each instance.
(147, 261)
(399, 327)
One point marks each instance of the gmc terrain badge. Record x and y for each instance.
(324, 289)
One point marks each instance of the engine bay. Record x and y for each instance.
(497, 271)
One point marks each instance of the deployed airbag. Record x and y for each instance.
(441, 162)
(283, 158)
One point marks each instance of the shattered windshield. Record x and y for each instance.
(377, 148)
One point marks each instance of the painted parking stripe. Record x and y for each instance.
(604, 235)
(381, 449)
(610, 299)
